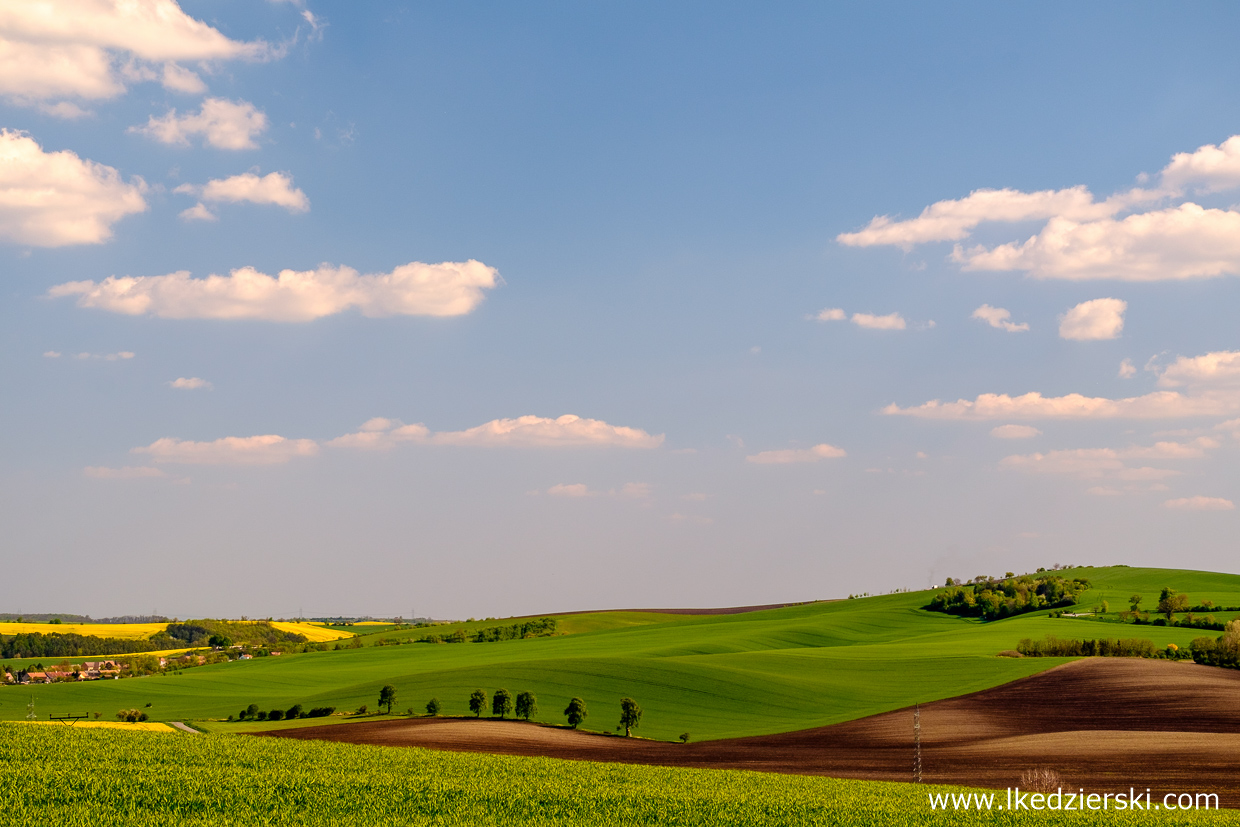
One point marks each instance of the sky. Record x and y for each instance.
(486, 309)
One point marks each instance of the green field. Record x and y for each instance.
(54, 775)
(712, 676)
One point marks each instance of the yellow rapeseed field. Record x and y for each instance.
(126, 631)
(313, 631)
(143, 726)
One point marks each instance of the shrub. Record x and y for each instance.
(1040, 780)
(684, 737)
(275, 715)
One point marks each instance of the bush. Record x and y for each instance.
(275, 715)
(684, 737)
(320, 712)
(293, 712)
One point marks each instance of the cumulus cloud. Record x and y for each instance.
(1127, 369)
(831, 314)
(189, 383)
(56, 199)
(789, 456)
(198, 212)
(1200, 503)
(1093, 320)
(892, 321)
(1157, 405)
(267, 449)
(1220, 368)
(1087, 238)
(1000, 318)
(1015, 432)
(275, 188)
(523, 431)
(51, 354)
(414, 289)
(88, 49)
(129, 472)
(223, 124)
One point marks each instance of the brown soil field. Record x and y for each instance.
(1105, 724)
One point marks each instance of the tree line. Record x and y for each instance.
(992, 599)
(539, 627)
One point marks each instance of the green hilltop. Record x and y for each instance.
(713, 676)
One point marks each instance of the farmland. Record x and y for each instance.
(714, 676)
(62, 776)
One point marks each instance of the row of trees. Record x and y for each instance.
(1054, 647)
(538, 627)
(1223, 650)
(993, 599)
(526, 706)
(253, 713)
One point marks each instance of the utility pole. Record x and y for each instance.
(917, 743)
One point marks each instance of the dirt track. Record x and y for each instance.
(1103, 724)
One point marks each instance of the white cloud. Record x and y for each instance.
(1188, 241)
(954, 219)
(189, 384)
(1000, 318)
(1084, 238)
(89, 48)
(785, 457)
(51, 354)
(1157, 405)
(1127, 369)
(129, 472)
(1220, 368)
(523, 431)
(1200, 503)
(55, 199)
(831, 314)
(892, 321)
(274, 188)
(268, 449)
(107, 357)
(1093, 320)
(414, 289)
(198, 212)
(1111, 463)
(224, 124)
(1015, 432)
(64, 110)
(1210, 169)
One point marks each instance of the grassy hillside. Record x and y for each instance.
(712, 676)
(62, 776)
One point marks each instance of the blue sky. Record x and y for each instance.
(696, 231)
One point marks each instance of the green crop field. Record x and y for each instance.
(713, 676)
(55, 775)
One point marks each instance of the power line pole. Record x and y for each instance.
(917, 743)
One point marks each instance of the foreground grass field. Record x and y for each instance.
(712, 676)
(104, 777)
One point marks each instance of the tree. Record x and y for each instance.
(501, 703)
(1170, 602)
(1106, 607)
(294, 712)
(527, 705)
(275, 714)
(250, 711)
(1134, 601)
(478, 702)
(432, 706)
(387, 696)
(219, 641)
(576, 712)
(630, 715)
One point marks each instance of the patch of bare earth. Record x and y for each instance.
(1105, 724)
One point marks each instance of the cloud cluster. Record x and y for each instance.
(1200, 503)
(1220, 368)
(1157, 405)
(1000, 318)
(414, 289)
(1093, 320)
(89, 49)
(55, 199)
(1111, 464)
(267, 449)
(794, 455)
(521, 432)
(870, 321)
(1084, 238)
(223, 124)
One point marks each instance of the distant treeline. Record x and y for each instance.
(194, 633)
(992, 599)
(1223, 650)
(9, 617)
(1053, 647)
(541, 627)
(38, 645)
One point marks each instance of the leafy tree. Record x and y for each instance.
(527, 705)
(219, 641)
(1134, 601)
(684, 737)
(501, 703)
(432, 706)
(478, 702)
(576, 712)
(630, 715)
(294, 712)
(387, 696)
(275, 714)
(1170, 602)
(250, 711)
